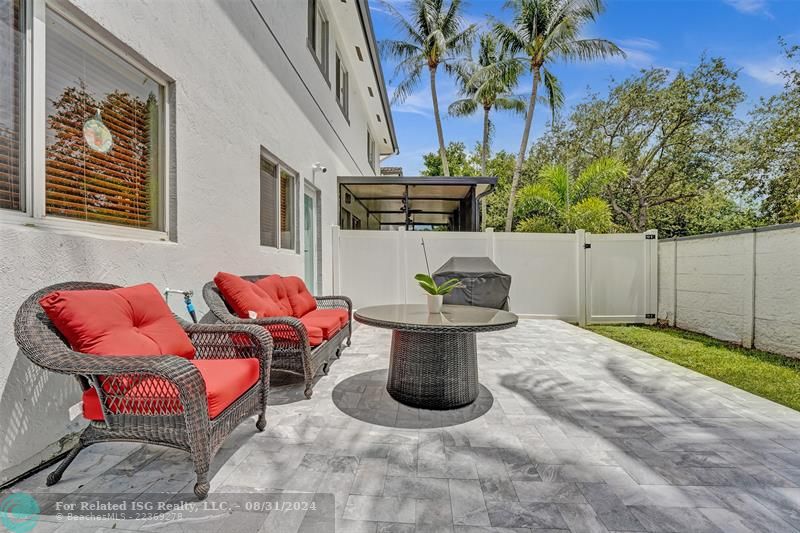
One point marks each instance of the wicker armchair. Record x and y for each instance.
(292, 351)
(151, 415)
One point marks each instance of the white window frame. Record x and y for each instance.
(372, 150)
(280, 166)
(324, 63)
(339, 64)
(35, 132)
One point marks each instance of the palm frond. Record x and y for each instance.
(408, 84)
(463, 108)
(587, 49)
(554, 94)
(512, 103)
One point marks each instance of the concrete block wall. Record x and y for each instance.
(741, 287)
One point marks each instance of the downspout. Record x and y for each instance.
(479, 199)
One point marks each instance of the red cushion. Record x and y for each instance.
(302, 301)
(125, 321)
(273, 285)
(329, 324)
(315, 336)
(226, 380)
(341, 314)
(244, 296)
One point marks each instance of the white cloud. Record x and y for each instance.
(417, 103)
(767, 71)
(640, 43)
(638, 52)
(750, 7)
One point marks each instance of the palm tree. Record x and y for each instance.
(492, 92)
(557, 202)
(434, 35)
(542, 32)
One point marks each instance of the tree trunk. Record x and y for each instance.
(442, 152)
(523, 147)
(485, 147)
(484, 157)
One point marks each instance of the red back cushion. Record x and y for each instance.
(244, 296)
(125, 321)
(273, 285)
(302, 301)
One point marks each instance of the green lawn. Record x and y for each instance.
(766, 374)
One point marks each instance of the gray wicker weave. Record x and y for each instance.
(434, 359)
(152, 417)
(291, 349)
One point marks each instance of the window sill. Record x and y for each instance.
(84, 229)
(281, 251)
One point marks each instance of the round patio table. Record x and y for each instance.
(434, 361)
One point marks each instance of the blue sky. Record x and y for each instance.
(661, 33)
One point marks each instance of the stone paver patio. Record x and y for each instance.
(571, 431)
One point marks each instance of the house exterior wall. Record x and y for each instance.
(234, 92)
(742, 287)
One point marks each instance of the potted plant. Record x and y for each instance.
(435, 292)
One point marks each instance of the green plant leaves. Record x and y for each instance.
(429, 285)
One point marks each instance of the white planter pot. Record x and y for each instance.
(435, 303)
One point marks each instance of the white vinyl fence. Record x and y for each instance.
(578, 277)
(741, 287)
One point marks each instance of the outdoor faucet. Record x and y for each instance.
(187, 300)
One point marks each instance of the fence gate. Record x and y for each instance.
(621, 277)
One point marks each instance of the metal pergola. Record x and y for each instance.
(412, 202)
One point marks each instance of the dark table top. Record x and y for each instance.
(453, 318)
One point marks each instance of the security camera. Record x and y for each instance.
(320, 167)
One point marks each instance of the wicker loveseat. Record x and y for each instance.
(296, 347)
(157, 399)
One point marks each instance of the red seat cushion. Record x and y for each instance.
(226, 380)
(273, 285)
(341, 314)
(329, 324)
(244, 296)
(302, 301)
(315, 336)
(125, 321)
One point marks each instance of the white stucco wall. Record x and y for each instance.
(235, 92)
(666, 281)
(742, 287)
(777, 291)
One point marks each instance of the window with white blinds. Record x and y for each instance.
(278, 204)
(102, 155)
(269, 233)
(12, 90)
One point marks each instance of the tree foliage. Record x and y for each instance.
(670, 130)
(561, 202)
(434, 34)
(768, 150)
(541, 33)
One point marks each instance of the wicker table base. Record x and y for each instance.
(433, 370)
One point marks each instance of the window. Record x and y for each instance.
(356, 222)
(342, 84)
(318, 35)
(103, 128)
(371, 151)
(287, 210)
(12, 91)
(278, 204)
